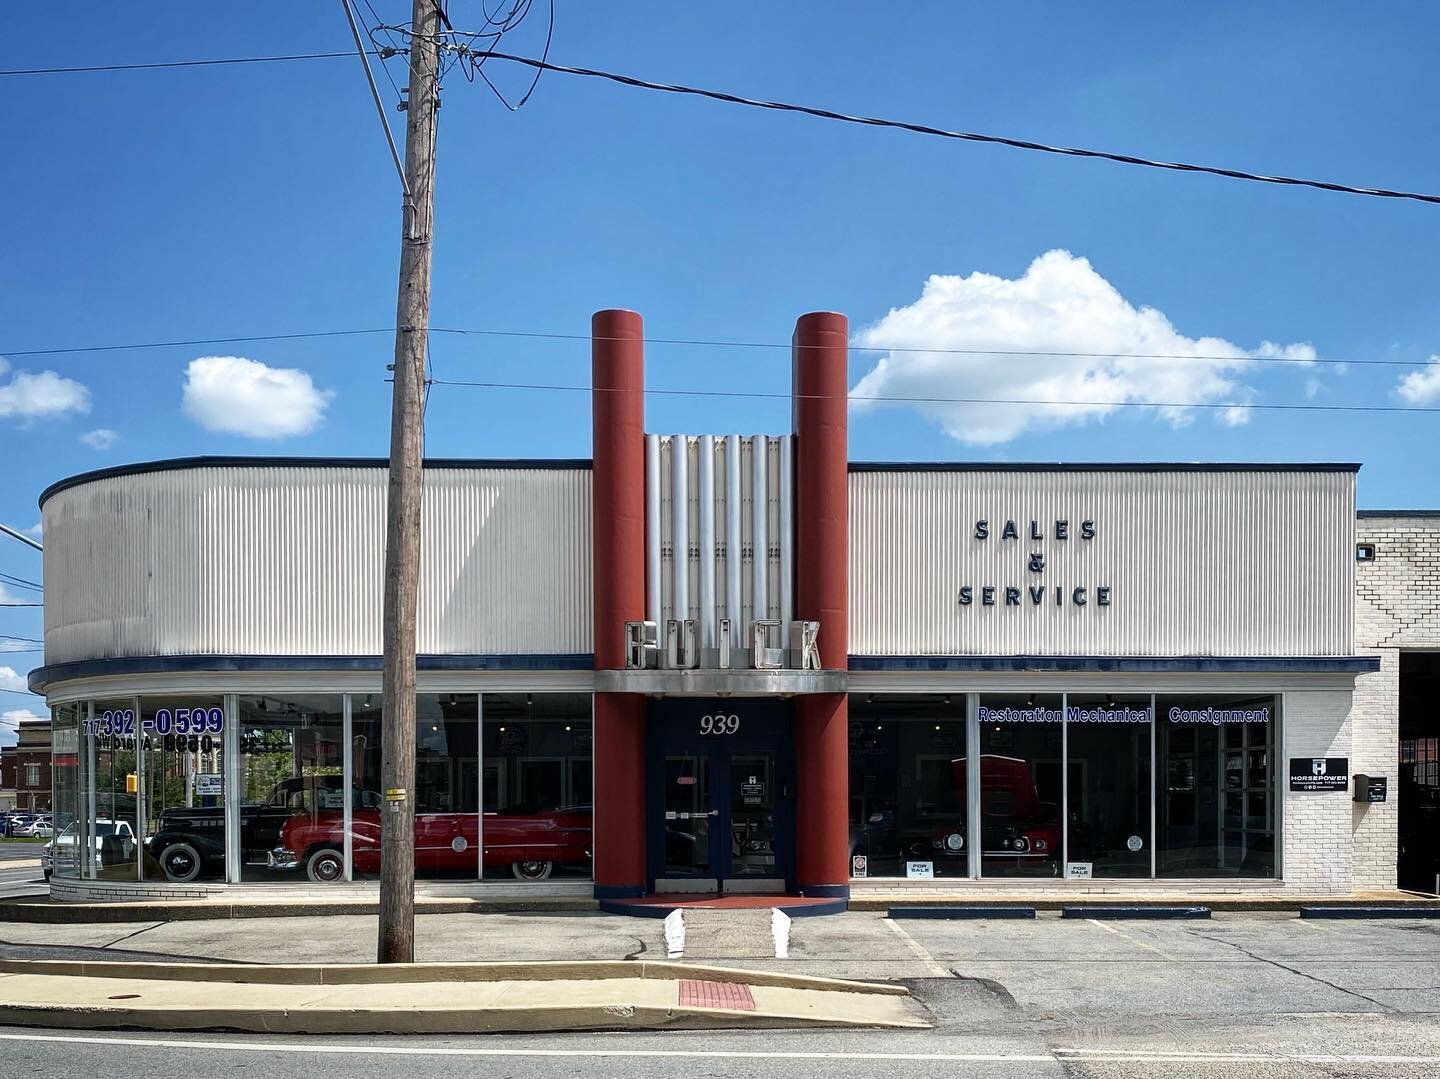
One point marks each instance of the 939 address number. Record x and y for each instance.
(720, 724)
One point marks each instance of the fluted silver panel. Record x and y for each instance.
(1228, 563)
(289, 561)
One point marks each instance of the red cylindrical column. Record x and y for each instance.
(618, 512)
(821, 543)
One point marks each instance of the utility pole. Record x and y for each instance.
(402, 522)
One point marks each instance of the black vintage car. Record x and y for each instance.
(190, 843)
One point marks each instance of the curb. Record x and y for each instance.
(280, 999)
(1370, 912)
(1113, 913)
(497, 1020)
(961, 912)
(48, 912)
(401, 973)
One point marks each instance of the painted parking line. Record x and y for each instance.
(1161, 952)
(1060, 1054)
(935, 969)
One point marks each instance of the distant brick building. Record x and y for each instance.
(25, 769)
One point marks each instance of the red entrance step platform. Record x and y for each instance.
(659, 906)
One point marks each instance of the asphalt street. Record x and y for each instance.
(1239, 995)
(20, 869)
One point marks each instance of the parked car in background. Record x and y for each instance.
(114, 844)
(39, 828)
(532, 845)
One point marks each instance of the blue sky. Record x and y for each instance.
(260, 200)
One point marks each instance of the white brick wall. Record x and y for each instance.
(1397, 606)
(1316, 823)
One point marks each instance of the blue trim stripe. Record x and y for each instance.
(1122, 664)
(41, 677)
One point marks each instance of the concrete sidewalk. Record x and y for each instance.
(437, 998)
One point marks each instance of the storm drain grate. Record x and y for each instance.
(698, 994)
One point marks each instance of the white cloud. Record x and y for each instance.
(10, 724)
(1059, 303)
(46, 395)
(12, 681)
(245, 397)
(36, 531)
(102, 438)
(1422, 386)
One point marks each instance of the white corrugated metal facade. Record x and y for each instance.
(1200, 562)
(287, 560)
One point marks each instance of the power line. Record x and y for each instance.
(24, 640)
(965, 136)
(20, 692)
(899, 399)
(20, 582)
(9, 604)
(481, 55)
(175, 63)
(712, 343)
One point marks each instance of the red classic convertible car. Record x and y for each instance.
(531, 844)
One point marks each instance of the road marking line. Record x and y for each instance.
(915, 946)
(1072, 1053)
(1134, 940)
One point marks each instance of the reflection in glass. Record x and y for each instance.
(1020, 785)
(687, 815)
(182, 808)
(1214, 795)
(292, 787)
(108, 836)
(907, 784)
(536, 787)
(1108, 746)
(64, 857)
(752, 815)
(447, 785)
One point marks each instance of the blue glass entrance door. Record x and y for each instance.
(721, 796)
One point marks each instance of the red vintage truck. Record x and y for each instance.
(532, 845)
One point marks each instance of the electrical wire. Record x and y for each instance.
(965, 136)
(481, 56)
(20, 582)
(718, 343)
(174, 64)
(23, 640)
(9, 604)
(926, 400)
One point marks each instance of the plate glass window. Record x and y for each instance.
(1215, 785)
(1021, 790)
(537, 786)
(292, 787)
(907, 784)
(1108, 797)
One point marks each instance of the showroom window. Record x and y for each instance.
(1078, 785)
(1021, 785)
(65, 776)
(109, 782)
(1215, 785)
(537, 785)
(180, 787)
(291, 772)
(907, 785)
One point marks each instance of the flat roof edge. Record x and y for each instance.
(1103, 466)
(1370, 514)
(178, 464)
